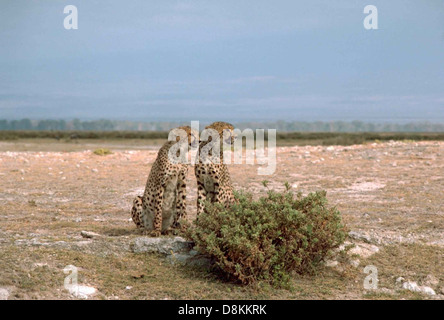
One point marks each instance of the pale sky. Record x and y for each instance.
(223, 60)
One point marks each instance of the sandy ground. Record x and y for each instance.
(389, 194)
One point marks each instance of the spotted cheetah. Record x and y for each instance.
(213, 179)
(163, 202)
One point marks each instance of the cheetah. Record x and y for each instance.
(163, 203)
(213, 179)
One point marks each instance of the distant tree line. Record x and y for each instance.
(79, 125)
(283, 126)
(344, 126)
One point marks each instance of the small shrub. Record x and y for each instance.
(32, 203)
(102, 152)
(270, 238)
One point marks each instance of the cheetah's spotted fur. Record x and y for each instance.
(213, 179)
(163, 203)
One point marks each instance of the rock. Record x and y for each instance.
(89, 234)
(38, 243)
(177, 250)
(81, 292)
(40, 265)
(364, 250)
(442, 290)
(413, 286)
(4, 294)
(360, 236)
(161, 245)
(427, 290)
(334, 265)
(331, 263)
(189, 259)
(400, 281)
(355, 262)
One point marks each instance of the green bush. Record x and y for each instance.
(270, 238)
(102, 152)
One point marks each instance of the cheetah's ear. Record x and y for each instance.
(177, 134)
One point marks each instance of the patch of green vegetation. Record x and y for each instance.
(269, 239)
(77, 135)
(283, 138)
(32, 203)
(102, 151)
(340, 138)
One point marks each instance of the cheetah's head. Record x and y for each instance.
(224, 127)
(193, 135)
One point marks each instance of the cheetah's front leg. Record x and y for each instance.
(157, 223)
(201, 197)
(136, 211)
(181, 205)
